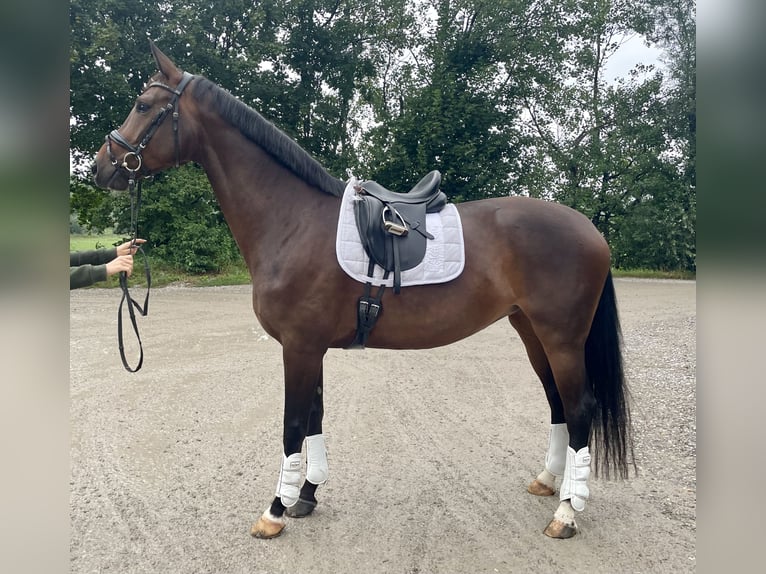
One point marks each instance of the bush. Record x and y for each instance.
(183, 223)
(74, 225)
(187, 251)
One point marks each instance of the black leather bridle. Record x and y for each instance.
(136, 151)
(134, 154)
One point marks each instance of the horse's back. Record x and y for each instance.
(533, 217)
(545, 254)
(532, 232)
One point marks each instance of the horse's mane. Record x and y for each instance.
(267, 136)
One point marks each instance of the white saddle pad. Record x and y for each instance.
(445, 254)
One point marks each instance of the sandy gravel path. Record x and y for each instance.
(428, 465)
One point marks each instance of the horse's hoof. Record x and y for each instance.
(558, 529)
(301, 508)
(540, 489)
(267, 527)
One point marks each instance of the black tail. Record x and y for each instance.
(611, 430)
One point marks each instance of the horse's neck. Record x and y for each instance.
(263, 202)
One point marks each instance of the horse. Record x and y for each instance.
(542, 265)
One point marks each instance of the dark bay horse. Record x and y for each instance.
(542, 265)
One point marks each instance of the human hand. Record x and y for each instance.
(120, 263)
(128, 248)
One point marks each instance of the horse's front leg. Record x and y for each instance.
(303, 376)
(316, 458)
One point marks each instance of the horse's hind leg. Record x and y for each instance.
(560, 364)
(555, 457)
(567, 362)
(316, 458)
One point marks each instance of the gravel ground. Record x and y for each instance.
(428, 466)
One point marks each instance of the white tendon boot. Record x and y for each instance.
(556, 457)
(555, 461)
(574, 487)
(316, 459)
(289, 483)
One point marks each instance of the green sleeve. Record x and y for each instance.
(89, 267)
(84, 275)
(94, 257)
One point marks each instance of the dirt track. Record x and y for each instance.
(428, 465)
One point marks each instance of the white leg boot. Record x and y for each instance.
(289, 483)
(574, 487)
(555, 461)
(316, 459)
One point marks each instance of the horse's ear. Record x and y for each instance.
(165, 64)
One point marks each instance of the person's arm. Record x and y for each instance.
(84, 275)
(89, 267)
(93, 257)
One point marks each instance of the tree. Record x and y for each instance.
(672, 25)
(446, 99)
(107, 65)
(503, 97)
(93, 209)
(610, 151)
(184, 221)
(655, 212)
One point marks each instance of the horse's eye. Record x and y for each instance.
(142, 107)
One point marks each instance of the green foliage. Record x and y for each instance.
(91, 207)
(506, 97)
(615, 152)
(74, 225)
(178, 214)
(108, 64)
(181, 217)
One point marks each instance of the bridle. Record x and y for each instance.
(136, 151)
(134, 154)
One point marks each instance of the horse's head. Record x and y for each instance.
(148, 141)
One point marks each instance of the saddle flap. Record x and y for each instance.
(379, 243)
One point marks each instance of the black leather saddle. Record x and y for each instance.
(392, 226)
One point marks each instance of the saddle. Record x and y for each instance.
(392, 226)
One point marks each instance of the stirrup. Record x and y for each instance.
(390, 225)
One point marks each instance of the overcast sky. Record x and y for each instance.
(633, 51)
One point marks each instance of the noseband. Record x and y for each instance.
(135, 152)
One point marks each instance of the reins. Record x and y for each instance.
(135, 203)
(134, 153)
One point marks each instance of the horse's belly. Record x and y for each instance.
(434, 321)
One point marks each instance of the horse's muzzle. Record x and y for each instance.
(106, 175)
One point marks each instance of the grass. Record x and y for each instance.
(163, 274)
(653, 274)
(237, 274)
(87, 242)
